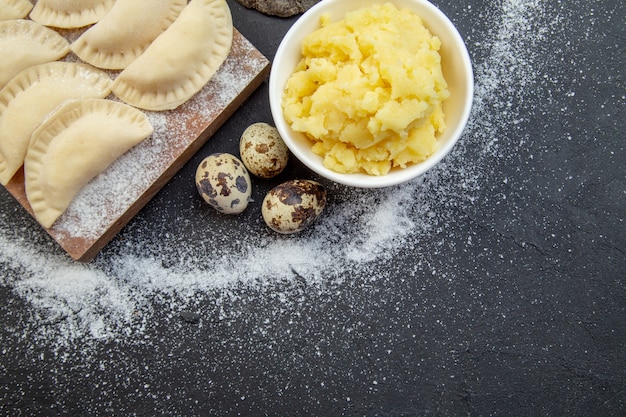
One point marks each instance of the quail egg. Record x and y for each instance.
(263, 151)
(293, 205)
(224, 183)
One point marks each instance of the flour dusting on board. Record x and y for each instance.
(107, 197)
(145, 271)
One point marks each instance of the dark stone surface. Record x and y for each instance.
(517, 306)
(281, 8)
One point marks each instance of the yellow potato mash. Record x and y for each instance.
(369, 91)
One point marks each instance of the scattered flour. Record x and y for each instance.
(115, 295)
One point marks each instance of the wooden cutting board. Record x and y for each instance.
(113, 198)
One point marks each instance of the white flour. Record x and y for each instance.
(116, 295)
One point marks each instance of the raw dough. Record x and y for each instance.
(14, 9)
(75, 144)
(69, 13)
(181, 60)
(126, 31)
(33, 94)
(24, 43)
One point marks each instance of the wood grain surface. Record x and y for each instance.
(97, 214)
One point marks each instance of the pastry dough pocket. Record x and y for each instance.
(70, 14)
(181, 60)
(14, 9)
(126, 31)
(24, 43)
(75, 144)
(33, 94)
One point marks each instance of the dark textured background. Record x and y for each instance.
(533, 323)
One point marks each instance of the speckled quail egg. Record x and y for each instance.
(263, 151)
(293, 205)
(224, 183)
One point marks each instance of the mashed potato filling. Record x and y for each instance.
(369, 91)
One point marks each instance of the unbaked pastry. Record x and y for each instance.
(70, 13)
(181, 60)
(126, 31)
(34, 93)
(75, 144)
(24, 43)
(14, 9)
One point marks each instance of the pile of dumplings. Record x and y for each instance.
(65, 122)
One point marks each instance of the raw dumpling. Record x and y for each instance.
(14, 9)
(24, 43)
(34, 93)
(126, 31)
(181, 60)
(70, 13)
(75, 144)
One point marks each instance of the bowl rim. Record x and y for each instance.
(362, 180)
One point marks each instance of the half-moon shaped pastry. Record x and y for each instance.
(70, 13)
(14, 9)
(75, 144)
(126, 31)
(181, 60)
(24, 43)
(34, 93)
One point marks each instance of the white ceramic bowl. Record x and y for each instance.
(457, 70)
